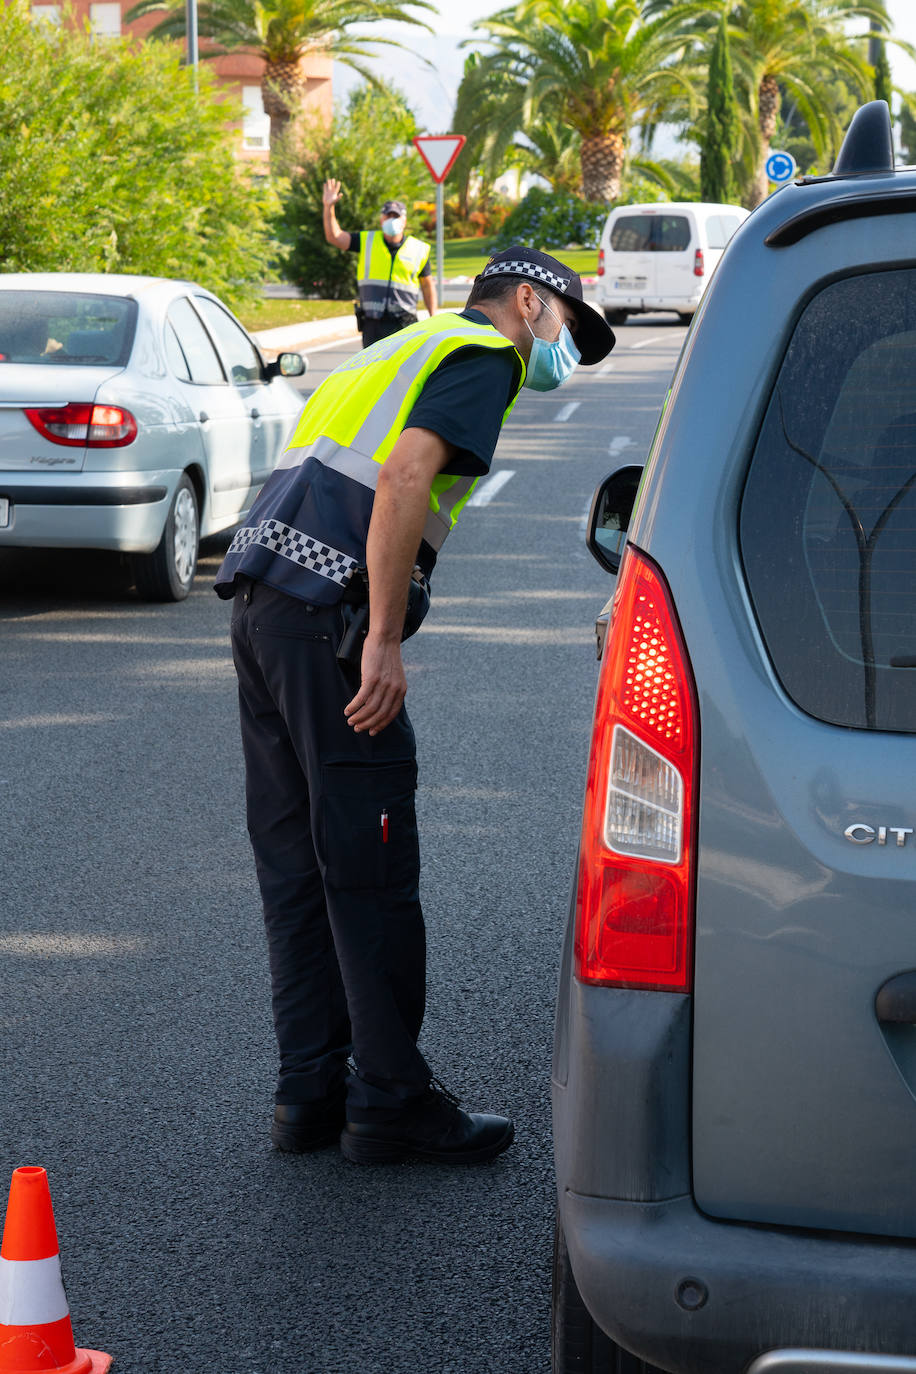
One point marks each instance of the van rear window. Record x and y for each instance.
(650, 234)
(828, 514)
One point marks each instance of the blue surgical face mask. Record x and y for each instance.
(551, 364)
(393, 228)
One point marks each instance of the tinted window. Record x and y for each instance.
(650, 234)
(238, 352)
(57, 328)
(631, 234)
(828, 516)
(195, 344)
(671, 234)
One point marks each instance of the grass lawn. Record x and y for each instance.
(271, 314)
(467, 257)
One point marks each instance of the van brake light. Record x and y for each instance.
(698, 268)
(634, 907)
(600, 262)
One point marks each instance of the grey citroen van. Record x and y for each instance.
(734, 1077)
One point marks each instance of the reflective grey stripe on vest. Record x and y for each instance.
(361, 468)
(439, 523)
(375, 294)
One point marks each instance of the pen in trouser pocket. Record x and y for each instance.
(383, 822)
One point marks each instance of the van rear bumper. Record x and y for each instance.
(700, 1296)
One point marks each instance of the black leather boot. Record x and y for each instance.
(435, 1128)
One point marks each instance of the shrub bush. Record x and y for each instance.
(551, 220)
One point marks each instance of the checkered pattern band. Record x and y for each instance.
(299, 548)
(528, 269)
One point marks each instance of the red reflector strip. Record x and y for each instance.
(634, 917)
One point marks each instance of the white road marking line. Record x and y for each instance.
(569, 409)
(608, 367)
(619, 444)
(644, 343)
(484, 493)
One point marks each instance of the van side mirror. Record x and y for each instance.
(609, 517)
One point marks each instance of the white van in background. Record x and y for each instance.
(660, 256)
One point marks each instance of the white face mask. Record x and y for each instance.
(393, 228)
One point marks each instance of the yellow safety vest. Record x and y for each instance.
(307, 529)
(389, 281)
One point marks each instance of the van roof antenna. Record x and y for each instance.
(869, 142)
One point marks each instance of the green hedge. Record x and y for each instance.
(550, 220)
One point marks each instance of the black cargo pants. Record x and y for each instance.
(333, 827)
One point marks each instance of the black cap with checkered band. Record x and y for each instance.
(594, 338)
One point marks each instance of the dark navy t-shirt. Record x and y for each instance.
(465, 399)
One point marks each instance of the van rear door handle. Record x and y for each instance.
(896, 999)
(204, 417)
(255, 413)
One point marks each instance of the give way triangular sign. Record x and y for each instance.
(439, 152)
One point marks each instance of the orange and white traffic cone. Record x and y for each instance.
(35, 1332)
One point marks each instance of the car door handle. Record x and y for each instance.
(896, 999)
(204, 417)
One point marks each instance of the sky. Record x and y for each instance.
(432, 93)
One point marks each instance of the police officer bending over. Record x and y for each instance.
(384, 457)
(392, 269)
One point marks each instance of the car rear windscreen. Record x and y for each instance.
(650, 234)
(828, 514)
(60, 328)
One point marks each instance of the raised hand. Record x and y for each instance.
(331, 192)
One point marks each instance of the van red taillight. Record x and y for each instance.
(600, 262)
(698, 269)
(81, 425)
(634, 905)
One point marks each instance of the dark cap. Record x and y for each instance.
(394, 207)
(594, 337)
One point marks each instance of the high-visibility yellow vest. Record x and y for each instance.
(307, 529)
(389, 281)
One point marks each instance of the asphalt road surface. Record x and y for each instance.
(138, 1056)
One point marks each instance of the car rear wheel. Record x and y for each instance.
(615, 316)
(167, 573)
(578, 1345)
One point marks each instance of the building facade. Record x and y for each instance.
(238, 74)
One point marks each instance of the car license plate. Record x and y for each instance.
(630, 283)
(4, 512)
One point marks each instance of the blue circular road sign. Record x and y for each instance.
(781, 167)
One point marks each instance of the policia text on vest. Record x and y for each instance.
(392, 271)
(382, 462)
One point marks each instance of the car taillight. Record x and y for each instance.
(634, 904)
(698, 268)
(600, 262)
(82, 425)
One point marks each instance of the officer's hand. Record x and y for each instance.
(383, 687)
(331, 192)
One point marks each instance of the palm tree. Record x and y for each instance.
(599, 66)
(283, 32)
(793, 47)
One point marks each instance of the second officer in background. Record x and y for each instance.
(393, 268)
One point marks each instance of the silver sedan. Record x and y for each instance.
(135, 414)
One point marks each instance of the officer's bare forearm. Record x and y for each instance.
(396, 528)
(336, 237)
